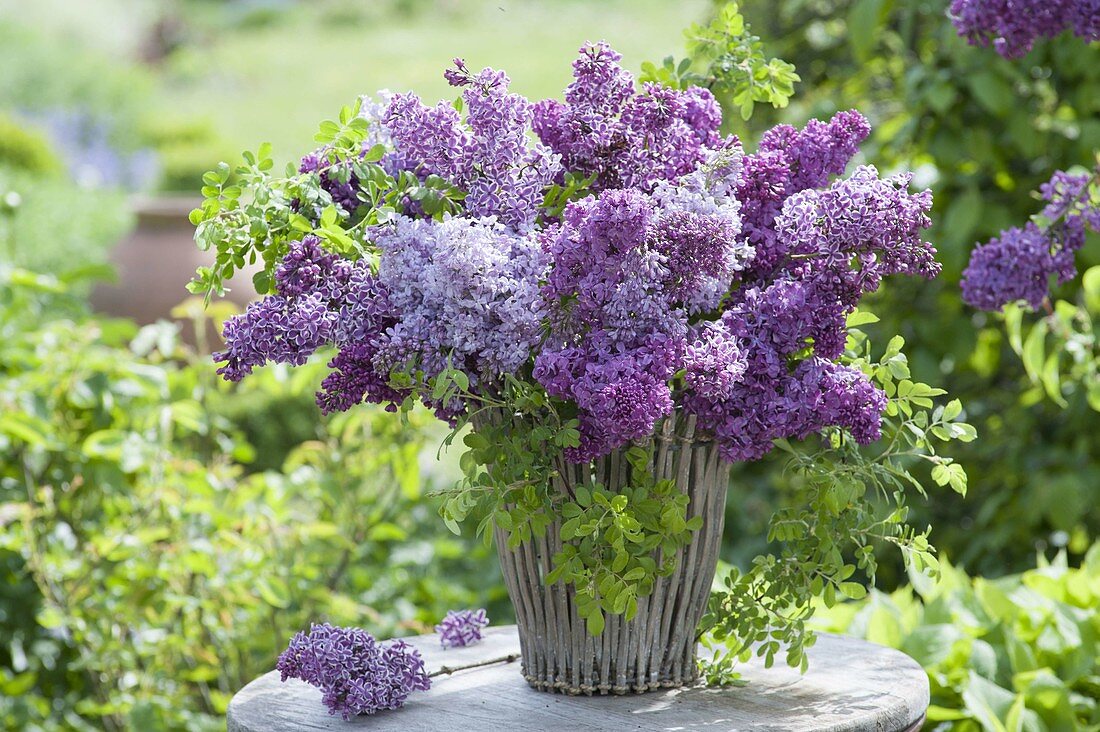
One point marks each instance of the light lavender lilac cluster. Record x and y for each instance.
(1012, 26)
(355, 673)
(462, 628)
(1020, 264)
(490, 156)
(692, 276)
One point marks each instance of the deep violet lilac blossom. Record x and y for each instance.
(1020, 264)
(627, 139)
(1013, 26)
(355, 673)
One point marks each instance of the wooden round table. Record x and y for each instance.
(851, 685)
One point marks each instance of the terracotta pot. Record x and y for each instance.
(156, 261)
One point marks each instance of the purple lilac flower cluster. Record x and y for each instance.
(1020, 264)
(627, 139)
(1012, 26)
(628, 270)
(461, 628)
(490, 157)
(766, 368)
(693, 276)
(462, 290)
(787, 162)
(355, 673)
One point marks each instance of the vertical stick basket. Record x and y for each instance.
(656, 649)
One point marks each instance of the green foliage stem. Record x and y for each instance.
(726, 58)
(841, 503)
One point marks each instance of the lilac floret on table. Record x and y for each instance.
(355, 673)
(461, 628)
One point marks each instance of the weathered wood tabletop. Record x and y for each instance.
(851, 685)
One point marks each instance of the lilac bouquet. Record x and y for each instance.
(680, 273)
(567, 276)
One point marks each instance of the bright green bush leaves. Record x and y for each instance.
(145, 576)
(1017, 653)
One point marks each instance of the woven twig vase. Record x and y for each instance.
(656, 649)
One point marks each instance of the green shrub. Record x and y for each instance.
(44, 73)
(186, 149)
(1017, 653)
(58, 226)
(144, 576)
(23, 150)
(982, 132)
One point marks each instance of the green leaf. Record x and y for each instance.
(965, 213)
(992, 91)
(376, 153)
(988, 702)
(861, 317)
(853, 590)
(1052, 379)
(274, 591)
(584, 496)
(1090, 285)
(387, 531)
(17, 685)
(595, 622)
(25, 428)
(1014, 317)
(863, 33)
(262, 282)
(50, 617)
(1033, 353)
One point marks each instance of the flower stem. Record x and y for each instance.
(448, 670)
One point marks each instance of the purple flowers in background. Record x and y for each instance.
(1020, 264)
(1012, 26)
(92, 158)
(355, 673)
(461, 628)
(691, 275)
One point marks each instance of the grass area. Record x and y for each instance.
(221, 76)
(274, 76)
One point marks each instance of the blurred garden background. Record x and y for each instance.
(162, 533)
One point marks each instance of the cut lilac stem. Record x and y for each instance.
(448, 670)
